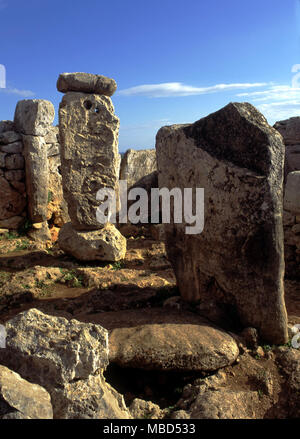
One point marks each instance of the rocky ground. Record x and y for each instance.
(165, 359)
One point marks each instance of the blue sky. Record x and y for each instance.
(174, 61)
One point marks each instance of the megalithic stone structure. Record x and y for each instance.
(236, 265)
(33, 119)
(88, 130)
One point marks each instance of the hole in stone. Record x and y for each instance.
(88, 104)
(160, 387)
(97, 110)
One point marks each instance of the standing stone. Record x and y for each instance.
(89, 154)
(34, 117)
(236, 264)
(290, 131)
(137, 164)
(37, 177)
(88, 132)
(292, 193)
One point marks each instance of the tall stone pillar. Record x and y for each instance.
(33, 119)
(236, 265)
(88, 131)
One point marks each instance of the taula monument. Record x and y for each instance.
(236, 265)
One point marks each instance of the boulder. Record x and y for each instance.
(86, 83)
(92, 398)
(137, 164)
(52, 351)
(141, 409)
(12, 203)
(185, 347)
(6, 125)
(14, 175)
(14, 161)
(224, 404)
(12, 148)
(20, 399)
(68, 359)
(89, 154)
(39, 232)
(289, 362)
(106, 244)
(9, 137)
(236, 263)
(14, 222)
(37, 177)
(34, 117)
(57, 209)
(2, 159)
(292, 193)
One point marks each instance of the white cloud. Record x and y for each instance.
(176, 89)
(276, 102)
(16, 91)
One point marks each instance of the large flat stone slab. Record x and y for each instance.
(86, 83)
(178, 341)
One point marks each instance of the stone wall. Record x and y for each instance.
(13, 198)
(30, 179)
(290, 131)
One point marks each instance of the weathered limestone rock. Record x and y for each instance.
(186, 347)
(68, 359)
(39, 232)
(292, 193)
(37, 177)
(137, 164)
(13, 222)
(89, 154)
(52, 350)
(53, 135)
(237, 261)
(12, 148)
(105, 244)
(21, 398)
(92, 398)
(290, 131)
(6, 125)
(14, 175)
(57, 209)
(9, 137)
(86, 83)
(141, 409)
(34, 117)
(289, 362)
(214, 398)
(2, 159)
(14, 161)
(224, 404)
(12, 203)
